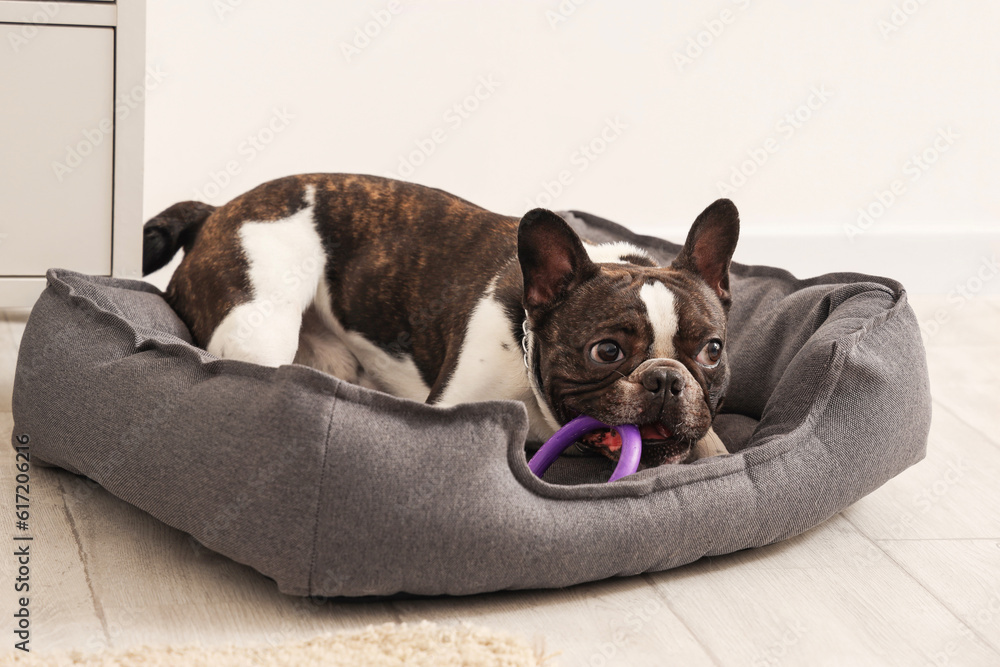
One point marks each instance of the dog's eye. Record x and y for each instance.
(710, 354)
(606, 352)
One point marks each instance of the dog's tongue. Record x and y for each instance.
(655, 431)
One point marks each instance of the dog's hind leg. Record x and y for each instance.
(260, 331)
(322, 349)
(285, 267)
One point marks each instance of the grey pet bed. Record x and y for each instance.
(331, 489)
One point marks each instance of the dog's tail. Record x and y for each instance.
(171, 230)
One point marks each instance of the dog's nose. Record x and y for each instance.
(662, 379)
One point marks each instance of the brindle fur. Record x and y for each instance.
(367, 225)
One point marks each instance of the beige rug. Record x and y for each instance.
(389, 645)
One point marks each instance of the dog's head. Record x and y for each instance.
(621, 339)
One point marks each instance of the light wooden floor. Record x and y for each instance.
(908, 576)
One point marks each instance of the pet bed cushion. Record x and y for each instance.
(332, 489)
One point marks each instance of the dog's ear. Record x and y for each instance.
(709, 247)
(553, 259)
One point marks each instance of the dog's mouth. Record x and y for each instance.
(660, 445)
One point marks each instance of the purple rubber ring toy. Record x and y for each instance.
(628, 460)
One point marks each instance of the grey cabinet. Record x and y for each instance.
(72, 80)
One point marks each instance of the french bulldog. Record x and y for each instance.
(415, 292)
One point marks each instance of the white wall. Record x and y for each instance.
(561, 73)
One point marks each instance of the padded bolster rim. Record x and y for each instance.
(61, 282)
(642, 484)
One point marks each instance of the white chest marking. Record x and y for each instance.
(662, 315)
(491, 365)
